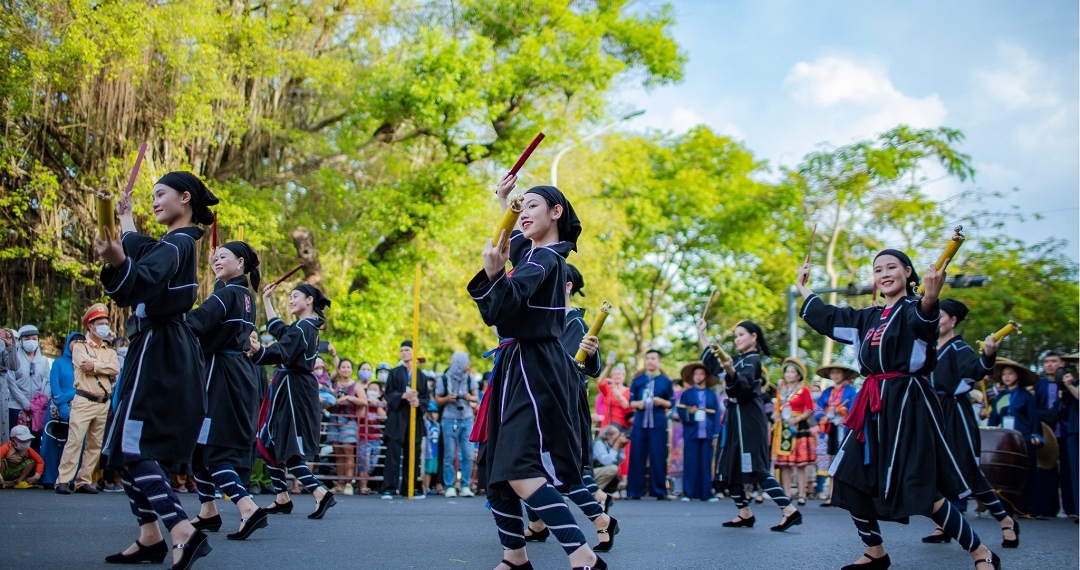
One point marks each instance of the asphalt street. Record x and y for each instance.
(45, 530)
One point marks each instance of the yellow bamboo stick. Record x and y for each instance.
(412, 367)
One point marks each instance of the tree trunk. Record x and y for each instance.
(309, 256)
(834, 278)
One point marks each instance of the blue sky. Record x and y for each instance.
(784, 76)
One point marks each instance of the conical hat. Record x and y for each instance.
(1027, 377)
(687, 374)
(823, 371)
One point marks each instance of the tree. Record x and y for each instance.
(370, 123)
(866, 193)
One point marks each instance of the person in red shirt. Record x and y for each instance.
(616, 401)
(794, 445)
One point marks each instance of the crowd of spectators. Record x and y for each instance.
(57, 409)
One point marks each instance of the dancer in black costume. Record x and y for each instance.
(224, 324)
(161, 403)
(744, 450)
(290, 433)
(530, 446)
(575, 335)
(895, 462)
(958, 368)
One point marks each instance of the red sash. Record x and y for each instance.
(867, 402)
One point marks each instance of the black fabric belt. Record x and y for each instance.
(92, 397)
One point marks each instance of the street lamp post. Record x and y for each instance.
(565, 149)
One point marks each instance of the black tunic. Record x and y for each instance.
(223, 324)
(905, 464)
(746, 429)
(532, 425)
(161, 402)
(958, 368)
(291, 427)
(573, 333)
(397, 408)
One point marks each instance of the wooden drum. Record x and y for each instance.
(1004, 461)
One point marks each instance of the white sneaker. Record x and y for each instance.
(451, 492)
(418, 496)
(685, 499)
(387, 497)
(348, 489)
(467, 492)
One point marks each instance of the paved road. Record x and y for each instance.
(43, 530)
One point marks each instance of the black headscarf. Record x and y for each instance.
(753, 328)
(577, 282)
(320, 301)
(954, 308)
(251, 261)
(568, 223)
(913, 280)
(201, 197)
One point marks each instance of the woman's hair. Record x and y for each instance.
(362, 363)
(344, 360)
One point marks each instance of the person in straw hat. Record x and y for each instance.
(831, 411)
(793, 444)
(699, 412)
(1014, 408)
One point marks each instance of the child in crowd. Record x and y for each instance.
(20, 466)
(431, 447)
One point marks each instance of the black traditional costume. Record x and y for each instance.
(289, 432)
(528, 424)
(396, 429)
(895, 462)
(744, 446)
(161, 403)
(224, 323)
(957, 369)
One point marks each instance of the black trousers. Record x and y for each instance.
(392, 478)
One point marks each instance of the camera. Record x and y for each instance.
(459, 403)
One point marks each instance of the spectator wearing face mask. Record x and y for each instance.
(8, 364)
(20, 466)
(96, 366)
(62, 387)
(29, 386)
(120, 345)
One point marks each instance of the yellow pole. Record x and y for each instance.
(412, 366)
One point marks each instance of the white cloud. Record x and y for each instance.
(1018, 82)
(858, 99)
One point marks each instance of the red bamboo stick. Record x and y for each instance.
(135, 171)
(525, 155)
(289, 274)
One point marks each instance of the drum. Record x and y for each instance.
(1004, 461)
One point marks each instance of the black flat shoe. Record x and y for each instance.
(748, 523)
(802, 501)
(195, 548)
(788, 521)
(323, 505)
(1006, 543)
(279, 508)
(527, 565)
(212, 524)
(875, 564)
(993, 561)
(146, 553)
(825, 504)
(936, 539)
(537, 536)
(611, 530)
(607, 503)
(598, 565)
(249, 525)
(62, 489)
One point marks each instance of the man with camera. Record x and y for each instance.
(607, 455)
(456, 392)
